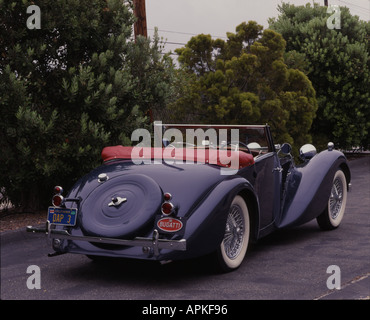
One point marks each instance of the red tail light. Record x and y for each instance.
(167, 196)
(58, 200)
(58, 190)
(167, 207)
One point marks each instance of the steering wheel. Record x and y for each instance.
(237, 143)
(181, 144)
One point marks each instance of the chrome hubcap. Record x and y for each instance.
(336, 198)
(233, 239)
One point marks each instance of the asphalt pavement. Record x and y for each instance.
(287, 265)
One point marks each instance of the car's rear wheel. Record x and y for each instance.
(234, 245)
(333, 214)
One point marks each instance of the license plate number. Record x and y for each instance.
(62, 216)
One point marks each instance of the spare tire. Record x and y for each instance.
(101, 216)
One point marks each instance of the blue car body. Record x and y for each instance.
(277, 192)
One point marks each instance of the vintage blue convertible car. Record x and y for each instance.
(210, 194)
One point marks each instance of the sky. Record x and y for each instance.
(178, 20)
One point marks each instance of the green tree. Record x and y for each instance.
(337, 63)
(70, 88)
(245, 80)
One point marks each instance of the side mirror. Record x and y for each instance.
(286, 148)
(165, 142)
(307, 152)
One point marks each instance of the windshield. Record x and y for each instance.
(251, 139)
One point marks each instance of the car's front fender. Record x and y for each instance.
(308, 188)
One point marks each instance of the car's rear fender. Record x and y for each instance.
(205, 225)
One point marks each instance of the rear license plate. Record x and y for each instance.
(62, 216)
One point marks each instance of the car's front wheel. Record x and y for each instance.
(333, 214)
(234, 245)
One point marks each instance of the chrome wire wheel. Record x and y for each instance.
(233, 239)
(332, 216)
(236, 238)
(336, 198)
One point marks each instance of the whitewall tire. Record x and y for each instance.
(333, 214)
(234, 245)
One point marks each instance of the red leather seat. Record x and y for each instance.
(223, 158)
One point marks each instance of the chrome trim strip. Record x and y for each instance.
(155, 243)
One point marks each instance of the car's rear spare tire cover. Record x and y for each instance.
(120, 206)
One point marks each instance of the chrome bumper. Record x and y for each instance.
(150, 243)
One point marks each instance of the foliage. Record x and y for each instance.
(245, 80)
(337, 63)
(70, 88)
